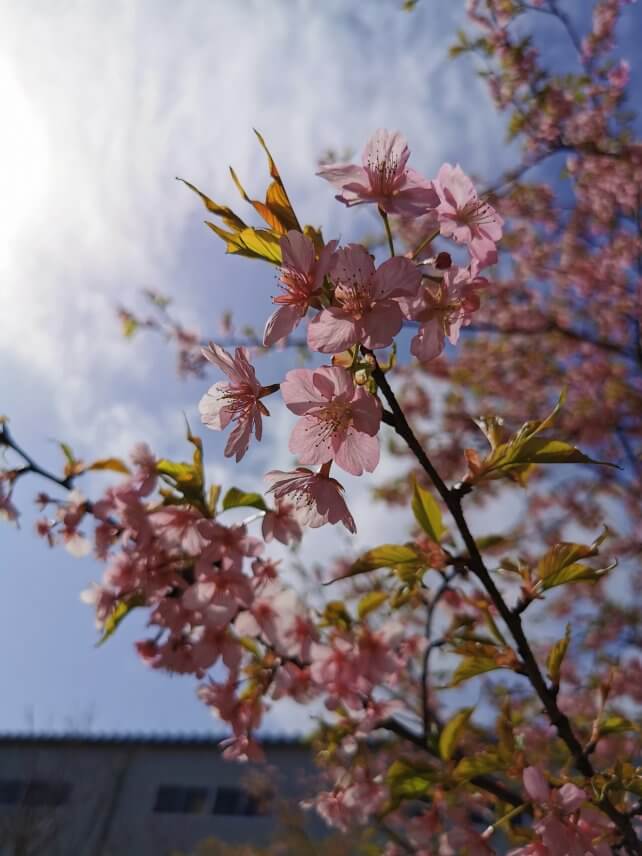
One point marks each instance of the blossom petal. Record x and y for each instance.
(429, 342)
(310, 443)
(382, 324)
(358, 452)
(214, 407)
(280, 324)
(297, 251)
(332, 331)
(300, 392)
(366, 412)
(341, 174)
(334, 381)
(397, 276)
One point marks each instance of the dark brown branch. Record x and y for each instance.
(546, 694)
(30, 465)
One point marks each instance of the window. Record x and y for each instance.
(39, 793)
(10, 792)
(35, 793)
(175, 799)
(230, 800)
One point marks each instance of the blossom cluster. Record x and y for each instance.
(356, 307)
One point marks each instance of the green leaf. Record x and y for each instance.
(212, 497)
(236, 498)
(119, 612)
(560, 564)
(566, 553)
(276, 198)
(335, 614)
(186, 478)
(407, 781)
(451, 731)
(226, 214)
(68, 453)
(514, 457)
(129, 326)
(370, 602)
(489, 542)
(180, 472)
(616, 724)
(387, 556)
(261, 244)
(73, 465)
(114, 464)
(556, 656)
(276, 211)
(427, 513)
(539, 450)
(479, 765)
(470, 667)
(577, 573)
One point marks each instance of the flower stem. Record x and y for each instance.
(386, 223)
(427, 240)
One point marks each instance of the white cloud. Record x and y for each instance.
(115, 101)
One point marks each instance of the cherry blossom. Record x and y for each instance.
(301, 278)
(281, 523)
(564, 827)
(464, 217)
(364, 308)
(384, 178)
(339, 421)
(442, 308)
(237, 401)
(145, 463)
(316, 497)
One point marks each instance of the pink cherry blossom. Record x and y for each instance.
(301, 278)
(383, 179)
(464, 217)
(278, 617)
(281, 523)
(145, 463)
(443, 308)
(536, 785)
(237, 401)
(566, 826)
(317, 498)
(364, 308)
(339, 420)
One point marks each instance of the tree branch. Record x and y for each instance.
(546, 694)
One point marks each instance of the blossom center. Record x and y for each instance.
(475, 213)
(354, 298)
(296, 288)
(383, 172)
(239, 399)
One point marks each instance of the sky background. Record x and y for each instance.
(103, 105)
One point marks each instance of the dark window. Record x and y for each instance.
(35, 793)
(11, 792)
(180, 800)
(231, 800)
(39, 793)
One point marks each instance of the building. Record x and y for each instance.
(140, 795)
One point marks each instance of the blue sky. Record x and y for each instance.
(106, 103)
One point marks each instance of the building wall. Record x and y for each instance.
(112, 807)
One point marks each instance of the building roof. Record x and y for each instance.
(196, 739)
